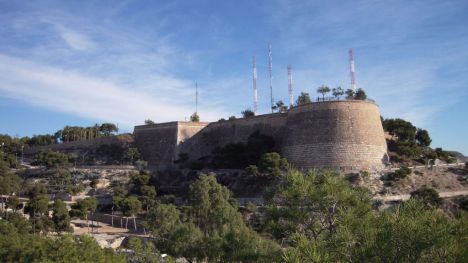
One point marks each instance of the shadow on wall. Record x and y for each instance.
(218, 134)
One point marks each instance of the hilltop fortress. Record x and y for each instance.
(342, 134)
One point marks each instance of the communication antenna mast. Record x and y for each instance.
(254, 79)
(196, 97)
(290, 87)
(352, 70)
(270, 67)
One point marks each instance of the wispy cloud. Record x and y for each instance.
(75, 40)
(74, 93)
(137, 60)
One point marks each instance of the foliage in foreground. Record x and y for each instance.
(322, 219)
(19, 246)
(210, 228)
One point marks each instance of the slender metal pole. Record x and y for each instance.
(254, 78)
(270, 69)
(196, 97)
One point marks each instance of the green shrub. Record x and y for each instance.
(272, 164)
(364, 174)
(239, 155)
(252, 170)
(463, 203)
(51, 159)
(401, 173)
(428, 196)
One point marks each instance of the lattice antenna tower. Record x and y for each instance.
(254, 85)
(290, 87)
(352, 70)
(270, 68)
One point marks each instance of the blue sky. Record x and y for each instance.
(79, 62)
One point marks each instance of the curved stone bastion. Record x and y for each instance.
(345, 134)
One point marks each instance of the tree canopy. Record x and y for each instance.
(321, 218)
(247, 113)
(323, 90)
(423, 138)
(303, 98)
(195, 117)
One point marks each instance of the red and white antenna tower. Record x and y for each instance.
(270, 68)
(254, 79)
(352, 70)
(290, 87)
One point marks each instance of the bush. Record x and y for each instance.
(463, 203)
(247, 113)
(252, 170)
(364, 174)
(273, 164)
(428, 196)
(239, 155)
(401, 173)
(409, 149)
(405, 130)
(51, 159)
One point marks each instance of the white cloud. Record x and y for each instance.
(89, 97)
(74, 39)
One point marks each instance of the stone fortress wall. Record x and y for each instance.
(339, 134)
(333, 134)
(81, 145)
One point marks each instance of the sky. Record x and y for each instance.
(85, 62)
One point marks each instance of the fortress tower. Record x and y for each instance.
(344, 134)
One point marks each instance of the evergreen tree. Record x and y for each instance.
(360, 94)
(422, 137)
(61, 217)
(337, 92)
(323, 90)
(303, 98)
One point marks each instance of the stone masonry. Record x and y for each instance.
(344, 134)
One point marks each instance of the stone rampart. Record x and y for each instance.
(82, 145)
(335, 134)
(156, 142)
(217, 134)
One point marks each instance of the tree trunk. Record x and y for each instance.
(112, 219)
(87, 222)
(134, 222)
(126, 223)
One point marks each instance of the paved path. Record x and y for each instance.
(404, 197)
(385, 198)
(423, 166)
